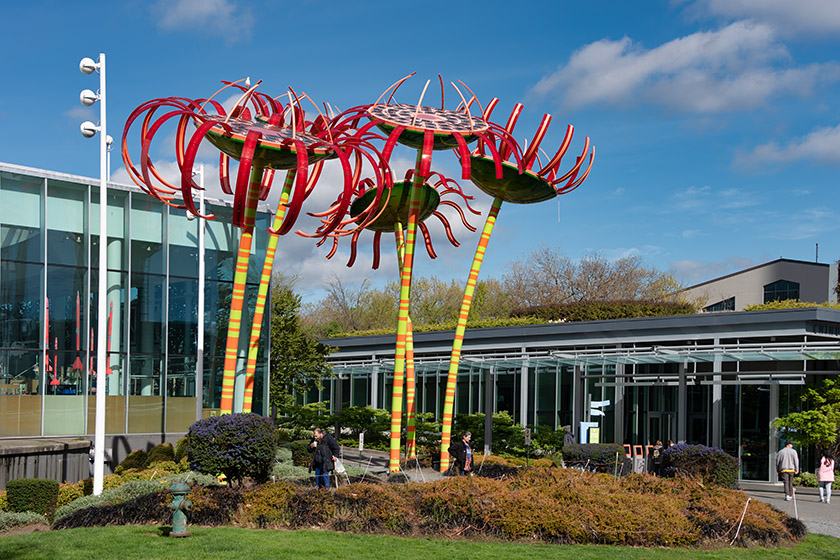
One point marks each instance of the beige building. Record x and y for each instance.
(776, 280)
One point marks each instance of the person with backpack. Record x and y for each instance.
(324, 451)
(462, 452)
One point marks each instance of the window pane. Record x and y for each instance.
(147, 249)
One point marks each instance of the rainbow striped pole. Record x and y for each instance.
(402, 314)
(262, 293)
(238, 296)
(455, 359)
(410, 405)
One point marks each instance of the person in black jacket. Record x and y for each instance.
(324, 451)
(462, 453)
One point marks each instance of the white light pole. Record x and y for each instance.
(88, 98)
(199, 362)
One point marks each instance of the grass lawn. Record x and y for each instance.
(149, 543)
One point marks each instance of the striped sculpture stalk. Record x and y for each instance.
(519, 185)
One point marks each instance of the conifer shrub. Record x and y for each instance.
(161, 453)
(67, 493)
(236, 445)
(146, 508)
(300, 452)
(269, 504)
(4, 504)
(32, 494)
(181, 449)
(712, 465)
(135, 460)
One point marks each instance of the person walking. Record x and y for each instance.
(324, 451)
(787, 465)
(656, 455)
(462, 452)
(825, 476)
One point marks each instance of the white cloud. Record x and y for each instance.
(808, 223)
(711, 200)
(733, 68)
(809, 17)
(222, 17)
(821, 146)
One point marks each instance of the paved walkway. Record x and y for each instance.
(818, 517)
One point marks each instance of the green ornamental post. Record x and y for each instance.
(179, 506)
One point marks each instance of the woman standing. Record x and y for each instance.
(825, 476)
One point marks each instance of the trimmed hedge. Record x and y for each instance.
(712, 465)
(236, 445)
(604, 310)
(32, 494)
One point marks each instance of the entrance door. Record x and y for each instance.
(661, 426)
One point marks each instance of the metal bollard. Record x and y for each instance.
(179, 506)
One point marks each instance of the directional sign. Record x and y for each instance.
(599, 404)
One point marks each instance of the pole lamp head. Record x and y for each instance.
(88, 97)
(88, 65)
(88, 129)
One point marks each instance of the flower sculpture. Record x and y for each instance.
(425, 129)
(519, 183)
(263, 135)
(391, 215)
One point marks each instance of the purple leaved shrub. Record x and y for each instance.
(709, 464)
(237, 445)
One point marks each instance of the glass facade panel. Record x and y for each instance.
(49, 246)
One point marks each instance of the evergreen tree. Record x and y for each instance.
(298, 361)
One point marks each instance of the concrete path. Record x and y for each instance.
(818, 517)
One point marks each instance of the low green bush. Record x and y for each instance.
(712, 465)
(32, 494)
(809, 480)
(134, 460)
(283, 455)
(161, 453)
(300, 452)
(67, 493)
(4, 504)
(289, 472)
(10, 519)
(111, 496)
(181, 449)
(147, 508)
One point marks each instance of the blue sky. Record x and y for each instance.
(715, 122)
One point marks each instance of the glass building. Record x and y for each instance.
(716, 379)
(49, 259)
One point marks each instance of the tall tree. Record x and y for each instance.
(297, 360)
(819, 423)
(547, 277)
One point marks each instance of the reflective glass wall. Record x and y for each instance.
(49, 287)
